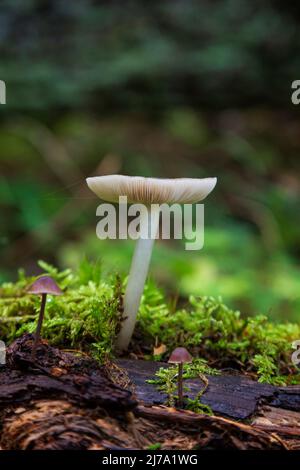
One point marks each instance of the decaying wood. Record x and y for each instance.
(234, 396)
(287, 397)
(66, 401)
(272, 409)
(60, 401)
(285, 423)
(56, 374)
(59, 425)
(214, 432)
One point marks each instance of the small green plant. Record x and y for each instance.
(155, 446)
(197, 368)
(166, 381)
(266, 369)
(196, 406)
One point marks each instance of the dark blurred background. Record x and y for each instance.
(171, 88)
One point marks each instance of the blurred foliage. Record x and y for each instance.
(251, 251)
(87, 317)
(138, 54)
(174, 88)
(230, 265)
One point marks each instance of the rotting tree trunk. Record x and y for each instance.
(64, 401)
(60, 401)
(274, 410)
(234, 396)
(56, 374)
(216, 432)
(59, 425)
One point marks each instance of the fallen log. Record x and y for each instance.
(59, 425)
(235, 396)
(66, 401)
(273, 410)
(214, 432)
(60, 401)
(285, 423)
(56, 374)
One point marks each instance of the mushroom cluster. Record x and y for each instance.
(147, 191)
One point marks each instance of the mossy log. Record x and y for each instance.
(57, 374)
(60, 401)
(274, 410)
(66, 401)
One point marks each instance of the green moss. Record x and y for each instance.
(166, 382)
(211, 330)
(196, 406)
(155, 446)
(88, 315)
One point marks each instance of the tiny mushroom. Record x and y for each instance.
(152, 193)
(42, 286)
(180, 356)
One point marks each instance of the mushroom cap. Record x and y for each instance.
(180, 356)
(44, 285)
(151, 190)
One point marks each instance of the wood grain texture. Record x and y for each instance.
(65, 401)
(234, 396)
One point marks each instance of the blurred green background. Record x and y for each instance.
(173, 88)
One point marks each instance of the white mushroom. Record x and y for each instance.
(146, 191)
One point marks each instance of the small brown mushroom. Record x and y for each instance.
(42, 286)
(180, 356)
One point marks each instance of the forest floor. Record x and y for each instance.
(65, 400)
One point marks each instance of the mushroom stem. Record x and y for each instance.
(138, 275)
(180, 385)
(39, 326)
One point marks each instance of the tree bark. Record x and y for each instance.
(65, 401)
